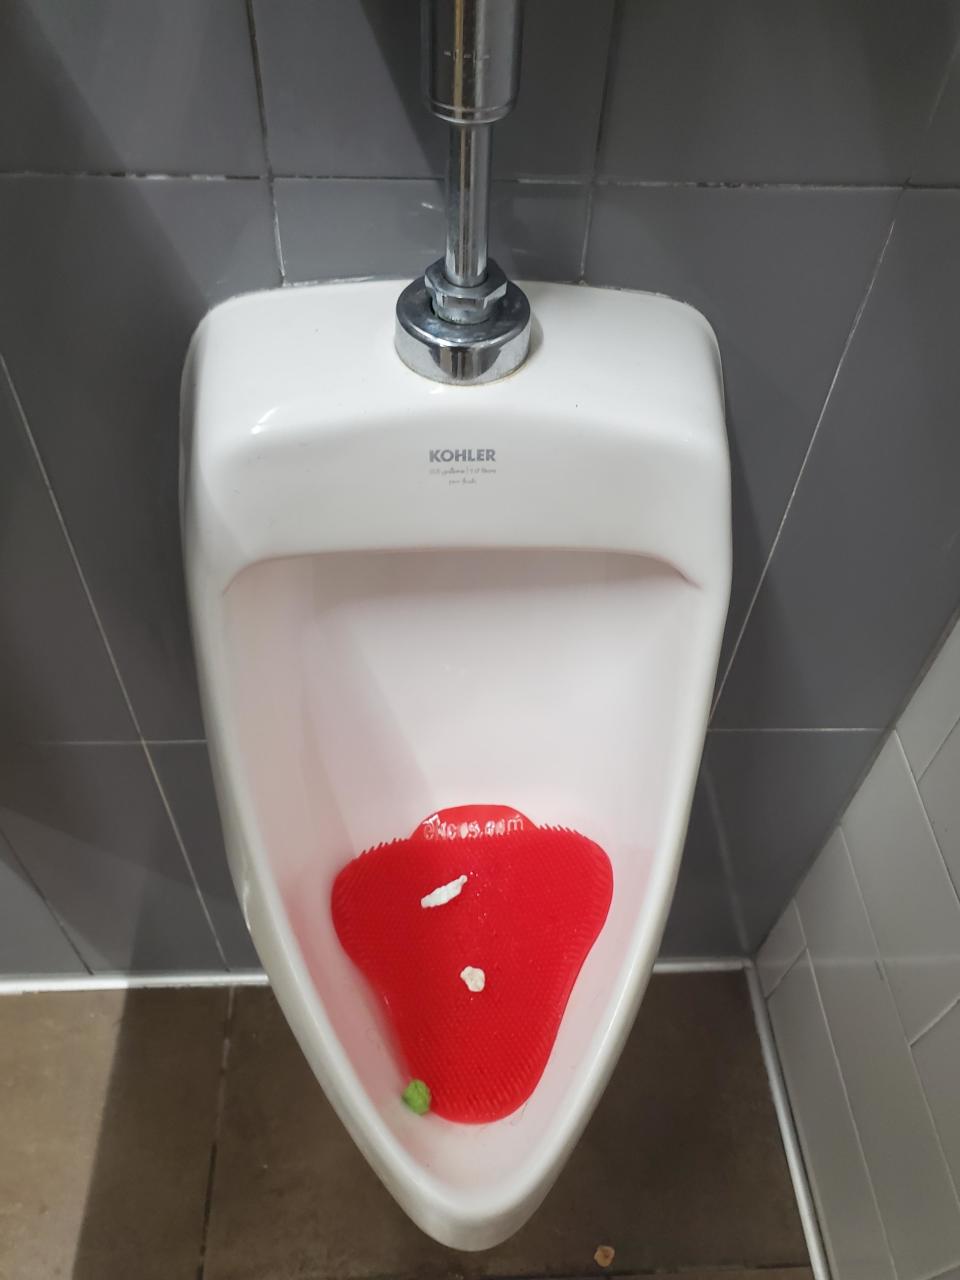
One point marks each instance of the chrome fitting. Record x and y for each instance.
(448, 351)
(464, 303)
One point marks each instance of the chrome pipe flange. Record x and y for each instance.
(464, 351)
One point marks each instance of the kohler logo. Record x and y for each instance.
(463, 455)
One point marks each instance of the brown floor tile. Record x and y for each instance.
(681, 1166)
(107, 1113)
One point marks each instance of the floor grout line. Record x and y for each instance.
(807, 455)
(788, 1133)
(217, 1124)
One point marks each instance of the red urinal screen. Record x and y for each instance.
(527, 913)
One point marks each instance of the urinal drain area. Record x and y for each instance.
(473, 931)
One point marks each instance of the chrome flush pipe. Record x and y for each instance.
(468, 204)
(463, 321)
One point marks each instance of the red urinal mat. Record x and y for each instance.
(531, 907)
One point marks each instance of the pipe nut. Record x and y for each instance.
(462, 303)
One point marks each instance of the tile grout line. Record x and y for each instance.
(932, 115)
(217, 1125)
(262, 111)
(896, 1013)
(895, 733)
(135, 175)
(530, 179)
(54, 914)
(918, 796)
(119, 742)
(720, 184)
(714, 729)
(790, 967)
(919, 777)
(933, 1023)
(72, 551)
(807, 454)
(616, 16)
(788, 1133)
(846, 1097)
(726, 860)
(950, 1274)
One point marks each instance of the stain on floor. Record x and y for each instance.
(180, 1134)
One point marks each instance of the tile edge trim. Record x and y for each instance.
(788, 1133)
(35, 984)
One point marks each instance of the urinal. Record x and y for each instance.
(411, 593)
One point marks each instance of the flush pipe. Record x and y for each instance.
(463, 321)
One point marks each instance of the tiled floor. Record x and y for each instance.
(179, 1134)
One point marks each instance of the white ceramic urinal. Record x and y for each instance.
(408, 596)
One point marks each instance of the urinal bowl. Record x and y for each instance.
(383, 631)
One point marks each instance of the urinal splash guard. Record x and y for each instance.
(472, 931)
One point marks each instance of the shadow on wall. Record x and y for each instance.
(396, 29)
(127, 462)
(49, 809)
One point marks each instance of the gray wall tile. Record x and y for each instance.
(846, 1207)
(934, 708)
(90, 827)
(867, 571)
(701, 921)
(56, 680)
(103, 282)
(939, 156)
(117, 85)
(341, 85)
(332, 229)
(780, 949)
(184, 771)
(778, 796)
(779, 274)
(911, 903)
(937, 1057)
(940, 789)
(774, 91)
(31, 941)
